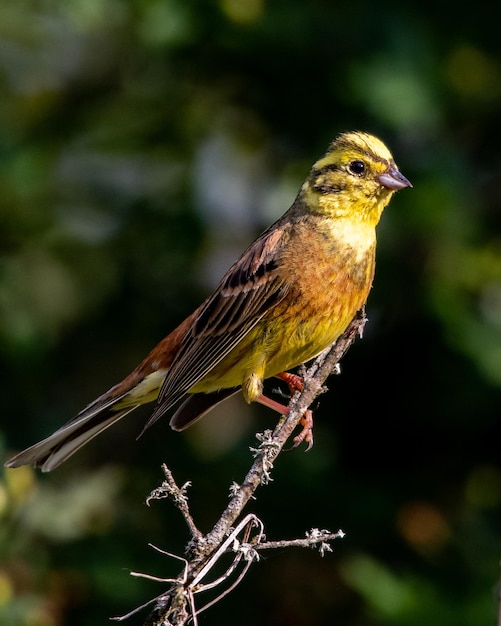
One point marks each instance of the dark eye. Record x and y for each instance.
(357, 167)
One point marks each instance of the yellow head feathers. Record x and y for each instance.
(357, 174)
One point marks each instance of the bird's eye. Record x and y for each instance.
(357, 167)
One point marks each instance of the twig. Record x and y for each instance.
(170, 489)
(312, 539)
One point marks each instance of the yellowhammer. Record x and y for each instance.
(290, 295)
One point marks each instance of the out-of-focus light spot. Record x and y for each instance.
(94, 14)
(80, 507)
(490, 303)
(423, 526)
(166, 22)
(6, 590)
(387, 593)
(4, 499)
(242, 11)
(38, 293)
(483, 487)
(381, 84)
(20, 483)
(473, 73)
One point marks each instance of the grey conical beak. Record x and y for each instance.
(393, 179)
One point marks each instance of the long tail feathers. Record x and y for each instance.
(100, 415)
(52, 451)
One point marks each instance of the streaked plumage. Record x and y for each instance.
(289, 296)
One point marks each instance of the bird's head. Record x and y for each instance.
(357, 176)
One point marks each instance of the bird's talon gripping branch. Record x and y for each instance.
(293, 381)
(306, 433)
(306, 421)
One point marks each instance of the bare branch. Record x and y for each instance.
(170, 489)
(176, 606)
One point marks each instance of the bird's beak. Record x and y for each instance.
(393, 179)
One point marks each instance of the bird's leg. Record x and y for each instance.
(306, 421)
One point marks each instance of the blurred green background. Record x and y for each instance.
(143, 145)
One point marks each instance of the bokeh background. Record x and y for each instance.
(143, 145)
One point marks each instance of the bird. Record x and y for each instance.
(289, 296)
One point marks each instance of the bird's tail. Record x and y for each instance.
(139, 387)
(52, 451)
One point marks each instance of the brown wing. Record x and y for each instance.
(250, 288)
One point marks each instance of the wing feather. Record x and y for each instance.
(250, 288)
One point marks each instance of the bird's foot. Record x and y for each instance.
(306, 433)
(293, 381)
